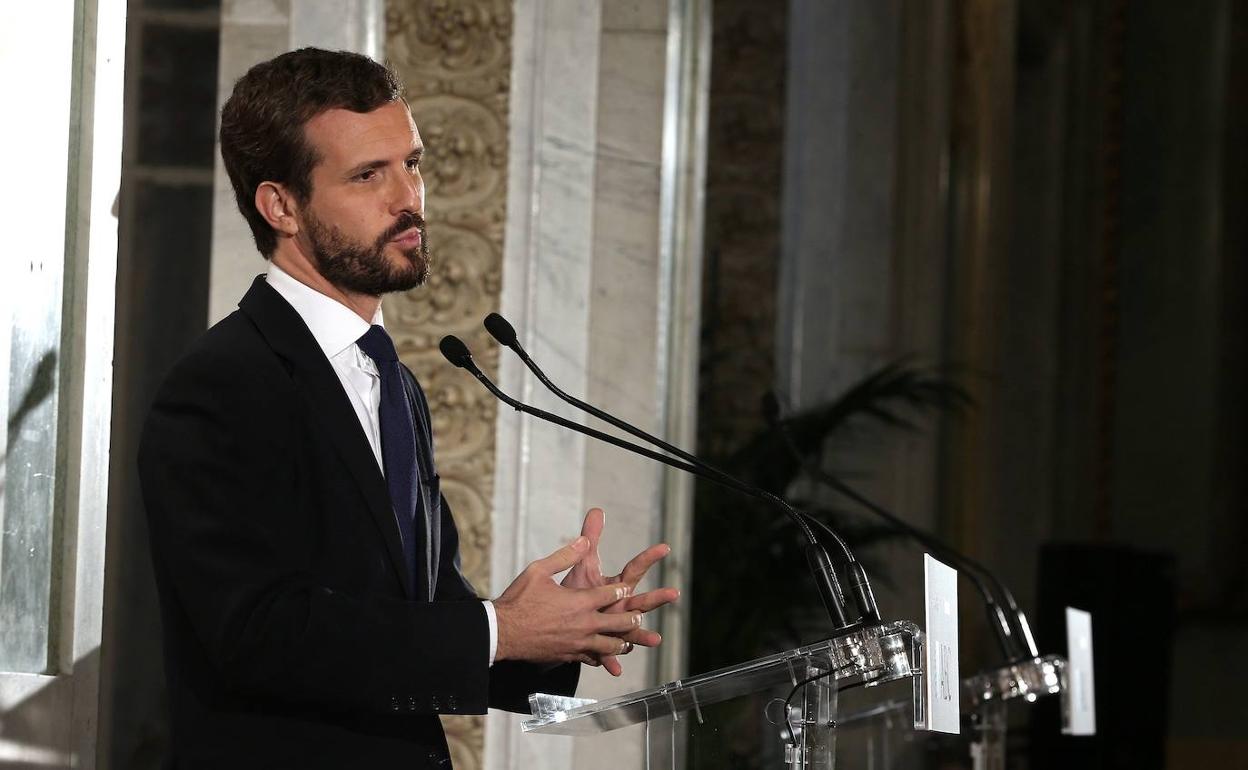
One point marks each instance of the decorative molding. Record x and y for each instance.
(455, 58)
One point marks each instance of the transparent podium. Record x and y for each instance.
(790, 696)
(987, 694)
(881, 734)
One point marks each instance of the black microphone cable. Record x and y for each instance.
(457, 353)
(502, 331)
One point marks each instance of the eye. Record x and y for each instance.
(413, 164)
(366, 175)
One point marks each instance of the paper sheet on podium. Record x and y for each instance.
(942, 681)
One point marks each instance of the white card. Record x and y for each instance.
(1079, 706)
(942, 681)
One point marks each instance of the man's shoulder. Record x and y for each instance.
(232, 353)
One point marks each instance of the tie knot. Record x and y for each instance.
(377, 345)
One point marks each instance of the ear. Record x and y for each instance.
(278, 207)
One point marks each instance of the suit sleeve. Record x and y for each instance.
(233, 554)
(511, 681)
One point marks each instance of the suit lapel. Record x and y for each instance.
(430, 487)
(290, 338)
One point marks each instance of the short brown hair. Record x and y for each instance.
(262, 123)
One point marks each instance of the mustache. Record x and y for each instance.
(406, 221)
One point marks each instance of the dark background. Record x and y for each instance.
(1084, 162)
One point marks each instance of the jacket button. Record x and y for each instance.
(394, 703)
(450, 702)
(434, 703)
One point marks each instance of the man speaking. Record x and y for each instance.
(314, 611)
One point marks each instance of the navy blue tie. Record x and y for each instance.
(398, 446)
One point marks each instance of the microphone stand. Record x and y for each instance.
(896, 659)
(505, 334)
(1025, 672)
(1008, 634)
(457, 353)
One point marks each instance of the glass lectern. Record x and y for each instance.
(792, 695)
(987, 693)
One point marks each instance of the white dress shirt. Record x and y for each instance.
(336, 327)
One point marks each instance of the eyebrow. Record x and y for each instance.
(372, 165)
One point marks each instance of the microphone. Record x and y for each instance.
(505, 334)
(457, 353)
(1008, 634)
(454, 350)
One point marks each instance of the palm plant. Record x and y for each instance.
(750, 586)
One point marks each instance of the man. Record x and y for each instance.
(314, 611)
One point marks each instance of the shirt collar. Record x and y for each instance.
(334, 325)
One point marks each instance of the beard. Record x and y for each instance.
(364, 268)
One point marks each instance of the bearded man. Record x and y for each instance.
(314, 610)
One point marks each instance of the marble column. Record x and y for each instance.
(598, 288)
(56, 370)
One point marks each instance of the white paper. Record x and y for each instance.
(1080, 704)
(942, 683)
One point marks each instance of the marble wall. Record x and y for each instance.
(62, 234)
(588, 283)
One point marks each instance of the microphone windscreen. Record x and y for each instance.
(455, 351)
(500, 329)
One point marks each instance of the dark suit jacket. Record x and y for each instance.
(291, 633)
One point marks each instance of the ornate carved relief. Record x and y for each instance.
(455, 58)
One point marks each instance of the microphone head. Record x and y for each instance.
(455, 351)
(501, 330)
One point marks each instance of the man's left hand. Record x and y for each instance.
(588, 573)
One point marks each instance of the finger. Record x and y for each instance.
(643, 637)
(604, 596)
(563, 558)
(590, 660)
(612, 665)
(588, 571)
(607, 645)
(649, 600)
(591, 530)
(595, 520)
(618, 623)
(637, 567)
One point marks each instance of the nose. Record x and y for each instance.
(409, 193)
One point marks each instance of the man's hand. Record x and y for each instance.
(540, 620)
(587, 573)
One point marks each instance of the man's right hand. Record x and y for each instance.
(540, 620)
